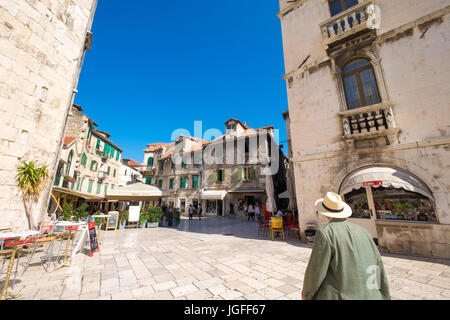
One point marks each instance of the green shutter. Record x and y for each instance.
(148, 180)
(97, 146)
(112, 152)
(114, 174)
(160, 183)
(106, 188)
(90, 186)
(240, 173)
(223, 175)
(171, 184)
(252, 172)
(117, 155)
(214, 176)
(150, 161)
(99, 185)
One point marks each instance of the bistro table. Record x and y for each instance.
(17, 236)
(69, 238)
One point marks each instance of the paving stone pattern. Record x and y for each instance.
(217, 258)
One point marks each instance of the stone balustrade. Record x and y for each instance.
(369, 121)
(346, 23)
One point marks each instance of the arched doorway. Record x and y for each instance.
(385, 193)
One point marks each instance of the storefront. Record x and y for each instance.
(242, 198)
(380, 194)
(213, 202)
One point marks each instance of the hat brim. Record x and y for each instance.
(347, 212)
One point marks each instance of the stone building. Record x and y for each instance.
(129, 172)
(367, 85)
(228, 169)
(42, 45)
(88, 167)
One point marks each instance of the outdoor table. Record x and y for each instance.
(67, 224)
(17, 236)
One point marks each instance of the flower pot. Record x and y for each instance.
(122, 225)
(142, 225)
(153, 224)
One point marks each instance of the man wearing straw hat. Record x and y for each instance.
(345, 262)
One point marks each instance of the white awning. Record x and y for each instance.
(284, 195)
(83, 195)
(384, 177)
(136, 191)
(213, 194)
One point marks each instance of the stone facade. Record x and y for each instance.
(407, 128)
(216, 183)
(95, 170)
(41, 52)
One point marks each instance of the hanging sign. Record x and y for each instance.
(93, 241)
(372, 183)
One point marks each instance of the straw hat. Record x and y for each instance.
(333, 206)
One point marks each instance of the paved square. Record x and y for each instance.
(217, 258)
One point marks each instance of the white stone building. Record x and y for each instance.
(129, 172)
(368, 96)
(42, 45)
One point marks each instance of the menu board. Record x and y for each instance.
(93, 241)
(113, 220)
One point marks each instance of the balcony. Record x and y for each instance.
(146, 169)
(101, 175)
(345, 24)
(369, 122)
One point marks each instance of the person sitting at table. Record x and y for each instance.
(279, 213)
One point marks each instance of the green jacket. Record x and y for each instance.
(343, 265)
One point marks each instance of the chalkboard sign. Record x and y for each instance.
(113, 220)
(93, 241)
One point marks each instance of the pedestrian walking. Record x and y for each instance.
(258, 214)
(345, 262)
(191, 212)
(200, 210)
(251, 212)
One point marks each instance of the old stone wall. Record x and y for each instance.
(41, 51)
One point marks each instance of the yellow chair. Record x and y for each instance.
(276, 225)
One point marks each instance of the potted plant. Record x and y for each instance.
(69, 179)
(155, 217)
(123, 218)
(31, 182)
(176, 217)
(143, 217)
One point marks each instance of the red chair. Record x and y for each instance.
(264, 226)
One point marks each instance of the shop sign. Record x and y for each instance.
(372, 183)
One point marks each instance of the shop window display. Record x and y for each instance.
(211, 206)
(357, 200)
(398, 204)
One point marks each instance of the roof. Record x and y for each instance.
(101, 135)
(68, 140)
(131, 163)
(78, 107)
(237, 120)
(155, 146)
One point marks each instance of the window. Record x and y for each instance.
(218, 175)
(171, 183)
(161, 166)
(360, 85)
(117, 155)
(182, 182)
(58, 174)
(246, 173)
(160, 183)
(114, 173)
(183, 164)
(108, 171)
(99, 185)
(172, 165)
(69, 162)
(97, 146)
(148, 180)
(106, 188)
(194, 182)
(94, 165)
(150, 161)
(91, 183)
(84, 159)
(337, 6)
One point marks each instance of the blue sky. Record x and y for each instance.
(155, 66)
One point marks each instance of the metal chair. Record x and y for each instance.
(276, 225)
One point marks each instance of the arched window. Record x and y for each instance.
(360, 84)
(69, 161)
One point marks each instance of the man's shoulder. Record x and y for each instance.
(334, 227)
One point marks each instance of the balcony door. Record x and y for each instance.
(337, 6)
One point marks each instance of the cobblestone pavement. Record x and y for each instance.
(217, 258)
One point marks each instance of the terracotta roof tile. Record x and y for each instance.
(68, 140)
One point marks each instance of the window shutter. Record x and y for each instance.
(214, 176)
(150, 161)
(240, 173)
(90, 186)
(223, 175)
(252, 172)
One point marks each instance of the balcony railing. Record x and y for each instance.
(101, 175)
(346, 23)
(146, 168)
(367, 122)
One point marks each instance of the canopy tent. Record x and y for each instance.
(384, 177)
(271, 205)
(136, 192)
(213, 194)
(83, 195)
